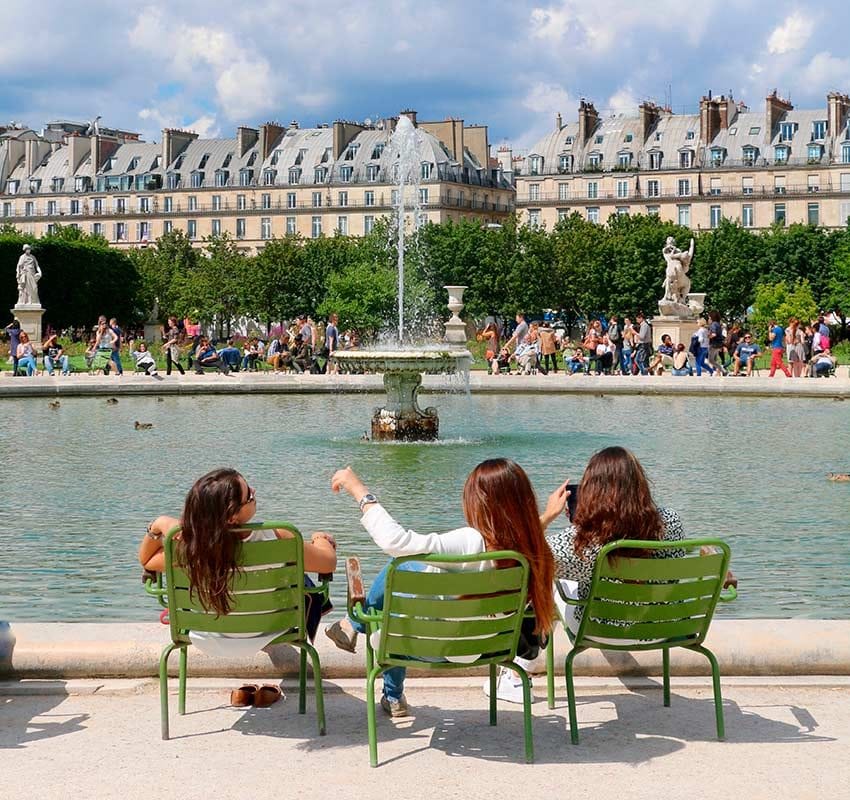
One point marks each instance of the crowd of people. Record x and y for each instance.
(626, 348)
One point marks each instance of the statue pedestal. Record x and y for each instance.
(680, 329)
(30, 319)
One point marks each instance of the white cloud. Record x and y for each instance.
(791, 35)
(826, 71)
(545, 98)
(623, 101)
(206, 126)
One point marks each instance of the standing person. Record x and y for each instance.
(644, 343)
(520, 332)
(776, 337)
(795, 347)
(733, 338)
(13, 329)
(716, 342)
(548, 349)
(501, 514)
(171, 346)
(26, 354)
(116, 346)
(192, 331)
(615, 339)
(627, 347)
(105, 339)
(701, 354)
(332, 342)
(54, 353)
(808, 342)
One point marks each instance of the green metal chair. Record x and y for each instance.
(649, 604)
(269, 595)
(436, 616)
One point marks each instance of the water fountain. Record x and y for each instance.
(401, 418)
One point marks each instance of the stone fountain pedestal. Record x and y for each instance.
(30, 318)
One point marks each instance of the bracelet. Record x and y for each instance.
(151, 535)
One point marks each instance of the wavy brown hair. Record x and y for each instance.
(208, 541)
(499, 502)
(615, 502)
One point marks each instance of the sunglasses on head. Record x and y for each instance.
(252, 496)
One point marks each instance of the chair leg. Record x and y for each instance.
(526, 710)
(163, 687)
(665, 657)
(181, 696)
(317, 687)
(718, 698)
(550, 670)
(571, 694)
(302, 683)
(370, 716)
(492, 694)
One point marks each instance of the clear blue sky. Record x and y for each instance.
(212, 65)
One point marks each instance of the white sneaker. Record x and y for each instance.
(508, 686)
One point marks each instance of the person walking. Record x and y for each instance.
(116, 346)
(13, 330)
(171, 347)
(615, 339)
(795, 347)
(701, 353)
(644, 343)
(716, 342)
(776, 337)
(548, 349)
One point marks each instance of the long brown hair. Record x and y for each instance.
(209, 542)
(499, 502)
(614, 502)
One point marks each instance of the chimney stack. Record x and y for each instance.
(343, 133)
(775, 108)
(174, 142)
(270, 133)
(649, 114)
(838, 106)
(246, 138)
(588, 119)
(559, 123)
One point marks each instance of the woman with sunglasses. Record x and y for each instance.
(216, 507)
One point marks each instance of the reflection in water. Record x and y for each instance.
(81, 483)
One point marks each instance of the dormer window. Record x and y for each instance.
(750, 154)
(246, 176)
(227, 159)
(845, 156)
(326, 156)
(82, 183)
(814, 152)
(300, 157)
(345, 173)
(819, 129)
(658, 136)
(351, 152)
(628, 137)
(569, 140)
(134, 163)
(252, 159)
(197, 179)
(155, 163)
(655, 159)
(599, 138)
(275, 158)
(294, 175)
(717, 155)
(594, 161)
(222, 176)
(781, 153)
(320, 174)
(686, 158)
(179, 162)
(377, 150)
(204, 158)
(12, 187)
(689, 135)
(427, 169)
(372, 171)
(35, 185)
(624, 160)
(565, 163)
(787, 131)
(535, 165)
(57, 184)
(269, 177)
(109, 165)
(733, 131)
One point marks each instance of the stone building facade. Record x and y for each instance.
(780, 165)
(265, 182)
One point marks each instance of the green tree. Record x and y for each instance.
(364, 295)
(838, 288)
(162, 268)
(780, 301)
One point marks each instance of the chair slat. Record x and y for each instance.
(661, 569)
(649, 612)
(646, 630)
(441, 608)
(656, 592)
(412, 626)
(459, 583)
(446, 648)
(277, 551)
(238, 623)
(274, 600)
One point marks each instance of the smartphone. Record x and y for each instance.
(572, 488)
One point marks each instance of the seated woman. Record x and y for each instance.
(215, 508)
(26, 354)
(681, 365)
(614, 502)
(501, 512)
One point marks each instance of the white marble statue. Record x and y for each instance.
(28, 274)
(676, 281)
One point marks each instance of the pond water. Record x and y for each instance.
(81, 484)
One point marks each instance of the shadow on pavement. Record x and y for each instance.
(26, 717)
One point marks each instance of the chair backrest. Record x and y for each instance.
(460, 613)
(267, 590)
(653, 602)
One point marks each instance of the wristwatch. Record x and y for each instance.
(366, 499)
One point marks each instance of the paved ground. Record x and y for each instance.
(786, 738)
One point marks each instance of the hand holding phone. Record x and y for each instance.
(572, 499)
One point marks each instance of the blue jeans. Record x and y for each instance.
(626, 361)
(394, 676)
(29, 363)
(116, 359)
(63, 361)
(701, 362)
(642, 359)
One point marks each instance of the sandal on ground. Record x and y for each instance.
(244, 696)
(267, 695)
(343, 636)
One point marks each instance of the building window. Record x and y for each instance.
(624, 160)
(120, 231)
(622, 211)
(845, 154)
(533, 191)
(193, 203)
(686, 159)
(787, 131)
(592, 190)
(714, 186)
(599, 138)
(7, 210)
(222, 176)
(167, 226)
(265, 201)
(57, 184)
(241, 202)
(565, 163)
(780, 154)
(717, 156)
(714, 216)
(754, 131)
(52, 208)
(622, 188)
(97, 205)
(563, 213)
(684, 214)
(655, 159)
(342, 225)
(684, 187)
(779, 184)
(750, 154)
(814, 152)
(563, 191)
(813, 213)
(653, 188)
(593, 214)
(167, 203)
(316, 227)
(689, 135)
(197, 180)
(320, 174)
(813, 183)
(29, 208)
(317, 199)
(269, 177)
(653, 211)
(192, 228)
(290, 200)
(173, 180)
(747, 219)
(97, 229)
(12, 187)
(369, 198)
(216, 227)
(294, 175)
(143, 231)
(265, 227)
(535, 165)
(819, 129)
(342, 199)
(368, 224)
(779, 213)
(746, 185)
(291, 227)
(240, 228)
(216, 202)
(372, 171)
(534, 217)
(345, 173)
(594, 161)
(246, 177)
(423, 197)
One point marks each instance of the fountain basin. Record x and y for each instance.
(401, 418)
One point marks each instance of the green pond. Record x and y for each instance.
(81, 483)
